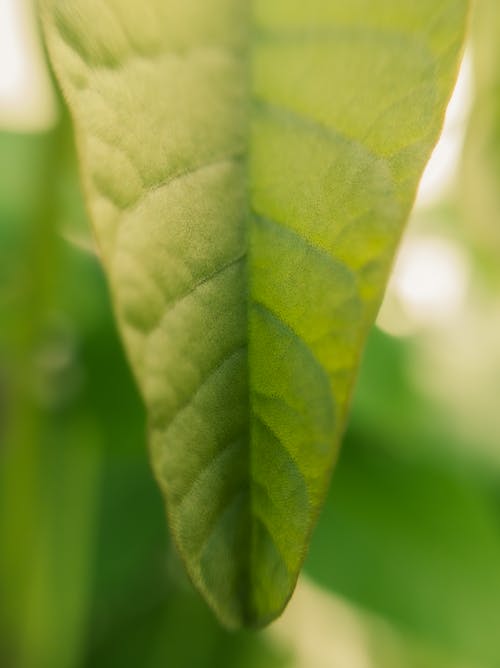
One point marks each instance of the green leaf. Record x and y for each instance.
(249, 168)
(49, 456)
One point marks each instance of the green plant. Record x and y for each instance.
(249, 168)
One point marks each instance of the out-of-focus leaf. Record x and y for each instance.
(479, 194)
(49, 468)
(249, 168)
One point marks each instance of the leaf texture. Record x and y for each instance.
(249, 167)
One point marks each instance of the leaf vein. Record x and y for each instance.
(219, 517)
(332, 260)
(176, 301)
(267, 427)
(206, 469)
(307, 124)
(258, 305)
(206, 379)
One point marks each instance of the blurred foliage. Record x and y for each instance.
(409, 540)
(409, 532)
(480, 174)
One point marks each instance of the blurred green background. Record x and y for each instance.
(404, 566)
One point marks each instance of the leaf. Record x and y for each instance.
(249, 168)
(49, 456)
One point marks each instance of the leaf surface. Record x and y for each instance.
(249, 168)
